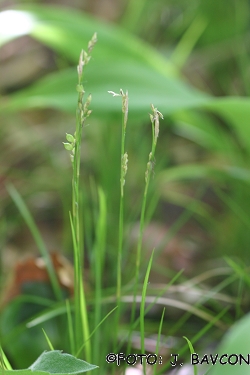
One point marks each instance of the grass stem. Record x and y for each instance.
(74, 145)
(150, 166)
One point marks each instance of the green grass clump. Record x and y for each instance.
(107, 314)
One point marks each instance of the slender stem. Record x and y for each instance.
(150, 166)
(123, 171)
(99, 251)
(124, 162)
(155, 133)
(81, 319)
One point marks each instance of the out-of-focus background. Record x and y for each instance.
(188, 58)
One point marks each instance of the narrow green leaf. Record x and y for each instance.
(4, 362)
(143, 301)
(37, 237)
(96, 328)
(192, 352)
(159, 338)
(48, 340)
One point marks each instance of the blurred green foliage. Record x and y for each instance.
(123, 60)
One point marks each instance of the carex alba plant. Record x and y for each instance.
(73, 144)
(55, 361)
(80, 330)
(154, 117)
(123, 172)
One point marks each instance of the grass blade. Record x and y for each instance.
(192, 352)
(4, 363)
(48, 340)
(37, 237)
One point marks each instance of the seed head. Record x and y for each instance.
(68, 146)
(92, 42)
(70, 138)
(81, 63)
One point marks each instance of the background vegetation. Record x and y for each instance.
(191, 60)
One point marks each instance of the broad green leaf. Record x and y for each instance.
(57, 90)
(235, 343)
(23, 372)
(54, 362)
(120, 60)
(68, 32)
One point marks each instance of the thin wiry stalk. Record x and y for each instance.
(123, 171)
(124, 166)
(150, 166)
(99, 251)
(74, 145)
